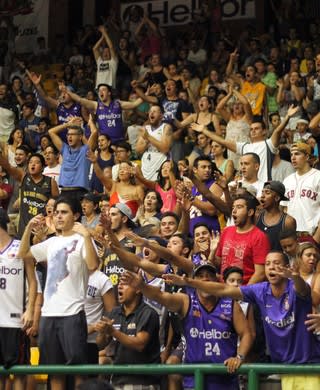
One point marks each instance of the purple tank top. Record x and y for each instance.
(63, 113)
(210, 338)
(197, 216)
(109, 119)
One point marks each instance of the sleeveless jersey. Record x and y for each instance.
(63, 113)
(33, 199)
(11, 286)
(109, 119)
(272, 231)
(152, 158)
(210, 338)
(197, 216)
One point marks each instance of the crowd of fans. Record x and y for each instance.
(168, 195)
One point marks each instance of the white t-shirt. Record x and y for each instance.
(53, 172)
(258, 185)
(282, 170)
(98, 285)
(7, 121)
(67, 274)
(106, 71)
(303, 192)
(260, 148)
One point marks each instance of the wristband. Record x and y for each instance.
(240, 357)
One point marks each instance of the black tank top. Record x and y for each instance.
(33, 199)
(209, 126)
(272, 231)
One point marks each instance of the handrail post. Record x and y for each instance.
(253, 380)
(198, 379)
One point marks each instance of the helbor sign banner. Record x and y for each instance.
(175, 12)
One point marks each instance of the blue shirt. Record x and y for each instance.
(283, 318)
(75, 167)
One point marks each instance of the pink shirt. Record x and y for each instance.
(169, 199)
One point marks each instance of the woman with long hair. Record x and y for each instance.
(124, 189)
(224, 165)
(165, 184)
(307, 260)
(16, 138)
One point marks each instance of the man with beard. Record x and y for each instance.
(173, 107)
(202, 211)
(154, 143)
(271, 220)
(65, 105)
(243, 245)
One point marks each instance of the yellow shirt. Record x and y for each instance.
(255, 94)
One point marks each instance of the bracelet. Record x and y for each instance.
(240, 357)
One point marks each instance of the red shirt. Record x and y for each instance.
(242, 250)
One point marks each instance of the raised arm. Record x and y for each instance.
(91, 256)
(231, 145)
(36, 81)
(246, 105)
(94, 133)
(314, 125)
(28, 315)
(24, 249)
(301, 287)
(179, 261)
(106, 37)
(214, 288)
(147, 98)
(89, 104)
(217, 202)
(221, 107)
(276, 135)
(178, 303)
(125, 105)
(54, 131)
(96, 48)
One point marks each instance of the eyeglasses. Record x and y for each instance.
(121, 151)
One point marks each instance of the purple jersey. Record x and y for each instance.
(283, 319)
(210, 338)
(197, 216)
(109, 119)
(63, 113)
